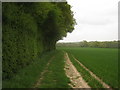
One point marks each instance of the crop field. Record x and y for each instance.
(103, 62)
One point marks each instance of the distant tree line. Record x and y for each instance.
(31, 28)
(95, 44)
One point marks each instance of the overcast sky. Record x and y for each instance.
(97, 20)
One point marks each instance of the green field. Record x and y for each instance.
(101, 61)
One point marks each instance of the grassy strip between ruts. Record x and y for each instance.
(55, 76)
(92, 82)
(28, 76)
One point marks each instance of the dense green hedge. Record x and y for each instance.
(30, 29)
(20, 40)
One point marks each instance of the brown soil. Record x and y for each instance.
(75, 77)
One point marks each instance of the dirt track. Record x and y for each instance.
(75, 77)
(37, 84)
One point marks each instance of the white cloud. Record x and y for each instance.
(96, 20)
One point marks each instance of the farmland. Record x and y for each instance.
(101, 61)
(29, 56)
(49, 69)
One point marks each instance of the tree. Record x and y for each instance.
(31, 28)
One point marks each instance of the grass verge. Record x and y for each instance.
(28, 76)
